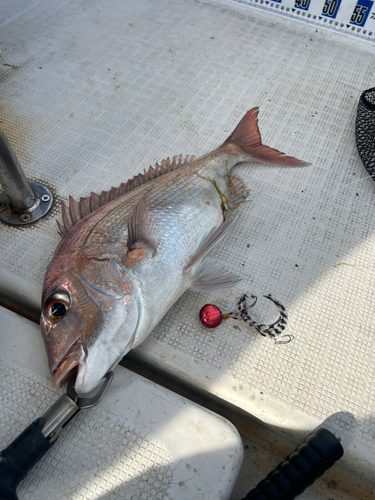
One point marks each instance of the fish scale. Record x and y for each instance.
(165, 195)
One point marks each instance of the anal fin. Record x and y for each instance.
(212, 277)
(209, 241)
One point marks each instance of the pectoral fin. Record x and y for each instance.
(212, 277)
(140, 244)
(139, 224)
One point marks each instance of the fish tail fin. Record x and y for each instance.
(246, 138)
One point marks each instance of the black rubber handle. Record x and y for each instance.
(302, 467)
(20, 456)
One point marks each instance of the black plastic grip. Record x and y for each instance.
(302, 467)
(20, 456)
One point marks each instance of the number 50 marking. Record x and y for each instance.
(331, 7)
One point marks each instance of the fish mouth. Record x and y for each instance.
(69, 366)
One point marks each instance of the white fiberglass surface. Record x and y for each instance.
(94, 92)
(142, 441)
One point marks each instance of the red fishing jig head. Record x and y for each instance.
(210, 316)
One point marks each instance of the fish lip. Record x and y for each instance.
(69, 365)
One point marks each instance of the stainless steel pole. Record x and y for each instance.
(21, 202)
(12, 178)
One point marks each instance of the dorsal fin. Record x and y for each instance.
(77, 210)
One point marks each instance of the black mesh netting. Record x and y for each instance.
(365, 130)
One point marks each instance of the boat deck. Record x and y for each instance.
(94, 92)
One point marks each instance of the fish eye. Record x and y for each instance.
(57, 305)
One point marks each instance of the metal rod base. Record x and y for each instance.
(43, 203)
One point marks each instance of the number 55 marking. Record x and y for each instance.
(361, 12)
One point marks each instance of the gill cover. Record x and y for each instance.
(88, 320)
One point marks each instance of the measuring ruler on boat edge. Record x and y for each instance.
(355, 18)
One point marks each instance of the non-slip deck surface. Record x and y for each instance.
(94, 92)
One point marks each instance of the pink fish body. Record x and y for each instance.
(129, 254)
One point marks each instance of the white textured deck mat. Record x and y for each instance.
(94, 91)
(142, 442)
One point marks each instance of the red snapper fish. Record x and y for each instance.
(127, 255)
